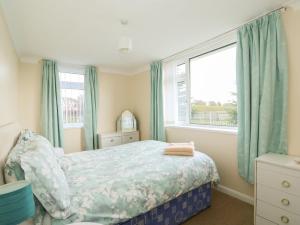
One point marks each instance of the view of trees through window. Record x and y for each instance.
(213, 88)
(72, 98)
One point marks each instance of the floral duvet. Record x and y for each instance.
(115, 184)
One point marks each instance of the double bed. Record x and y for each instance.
(128, 184)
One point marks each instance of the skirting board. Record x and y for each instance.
(235, 194)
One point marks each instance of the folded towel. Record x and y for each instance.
(180, 153)
(181, 146)
(186, 149)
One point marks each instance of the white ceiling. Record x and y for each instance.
(87, 31)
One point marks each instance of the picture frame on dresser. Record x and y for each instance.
(277, 190)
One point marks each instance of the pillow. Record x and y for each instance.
(48, 181)
(25, 136)
(12, 169)
(27, 141)
(59, 152)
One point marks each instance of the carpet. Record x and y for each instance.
(225, 210)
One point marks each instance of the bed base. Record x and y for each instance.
(176, 211)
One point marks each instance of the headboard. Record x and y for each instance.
(8, 136)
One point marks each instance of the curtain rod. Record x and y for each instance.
(281, 8)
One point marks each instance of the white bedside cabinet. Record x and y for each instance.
(277, 190)
(113, 139)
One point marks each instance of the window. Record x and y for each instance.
(181, 92)
(72, 98)
(204, 89)
(213, 88)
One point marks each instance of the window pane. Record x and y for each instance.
(181, 95)
(213, 88)
(72, 97)
(180, 69)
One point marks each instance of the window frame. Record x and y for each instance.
(184, 58)
(183, 78)
(77, 70)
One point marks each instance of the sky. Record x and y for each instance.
(213, 76)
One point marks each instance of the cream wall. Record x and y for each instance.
(114, 98)
(30, 81)
(222, 146)
(8, 77)
(140, 102)
(9, 63)
(291, 20)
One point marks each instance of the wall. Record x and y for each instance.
(114, 98)
(292, 26)
(8, 77)
(30, 81)
(222, 146)
(140, 102)
(9, 128)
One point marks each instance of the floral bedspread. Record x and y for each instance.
(115, 184)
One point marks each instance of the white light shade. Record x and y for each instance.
(125, 44)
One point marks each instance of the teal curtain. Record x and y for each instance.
(157, 112)
(91, 108)
(262, 82)
(52, 123)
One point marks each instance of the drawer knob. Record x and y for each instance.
(285, 219)
(111, 140)
(130, 138)
(285, 184)
(285, 201)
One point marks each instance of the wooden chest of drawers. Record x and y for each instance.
(277, 190)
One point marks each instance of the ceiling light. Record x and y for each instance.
(125, 42)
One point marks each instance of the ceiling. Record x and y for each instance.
(87, 31)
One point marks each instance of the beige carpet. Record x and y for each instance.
(225, 210)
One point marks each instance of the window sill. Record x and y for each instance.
(73, 126)
(229, 131)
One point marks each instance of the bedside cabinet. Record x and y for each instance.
(113, 139)
(277, 190)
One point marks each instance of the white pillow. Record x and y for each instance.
(27, 142)
(59, 152)
(49, 183)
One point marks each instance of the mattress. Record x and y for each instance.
(114, 185)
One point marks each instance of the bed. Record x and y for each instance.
(127, 184)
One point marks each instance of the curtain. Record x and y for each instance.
(91, 108)
(262, 81)
(157, 112)
(170, 100)
(52, 124)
